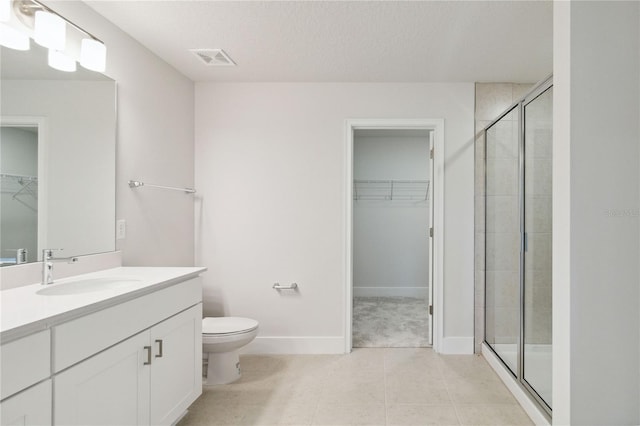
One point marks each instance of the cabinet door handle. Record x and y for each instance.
(148, 361)
(159, 342)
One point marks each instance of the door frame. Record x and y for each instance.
(41, 123)
(437, 207)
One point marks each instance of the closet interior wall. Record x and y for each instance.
(391, 248)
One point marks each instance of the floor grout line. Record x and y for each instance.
(384, 371)
(447, 387)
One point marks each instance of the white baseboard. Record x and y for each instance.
(419, 292)
(296, 345)
(457, 346)
(521, 396)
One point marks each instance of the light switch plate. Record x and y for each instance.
(121, 229)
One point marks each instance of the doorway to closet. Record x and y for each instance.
(391, 218)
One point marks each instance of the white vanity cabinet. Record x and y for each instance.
(176, 366)
(110, 388)
(25, 390)
(132, 359)
(31, 407)
(149, 378)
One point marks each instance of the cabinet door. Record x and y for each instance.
(29, 408)
(176, 370)
(110, 388)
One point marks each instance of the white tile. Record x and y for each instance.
(416, 389)
(466, 368)
(479, 213)
(502, 140)
(479, 286)
(416, 415)
(502, 176)
(363, 414)
(423, 360)
(490, 391)
(396, 386)
(519, 90)
(277, 413)
(492, 99)
(353, 392)
(494, 414)
(360, 359)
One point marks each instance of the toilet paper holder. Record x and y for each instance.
(292, 286)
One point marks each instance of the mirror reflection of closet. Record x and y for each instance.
(19, 193)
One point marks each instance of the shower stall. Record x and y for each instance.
(518, 230)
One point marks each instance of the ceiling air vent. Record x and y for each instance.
(213, 57)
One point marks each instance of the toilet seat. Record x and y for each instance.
(227, 326)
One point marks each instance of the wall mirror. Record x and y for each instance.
(57, 158)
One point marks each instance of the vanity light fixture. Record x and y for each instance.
(13, 39)
(60, 61)
(67, 42)
(93, 54)
(50, 30)
(5, 10)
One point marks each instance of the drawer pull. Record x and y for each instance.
(148, 361)
(159, 342)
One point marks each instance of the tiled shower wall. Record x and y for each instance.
(538, 224)
(491, 100)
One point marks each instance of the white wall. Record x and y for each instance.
(19, 224)
(154, 144)
(596, 242)
(81, 152)
(270, 166)
(391, 237)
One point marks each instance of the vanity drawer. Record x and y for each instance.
(24, 362)
(83, 337)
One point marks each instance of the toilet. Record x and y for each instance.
(222, 337)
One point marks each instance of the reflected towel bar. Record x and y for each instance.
(292, 286)
(138, 184)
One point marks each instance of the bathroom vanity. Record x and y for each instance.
(121, 346)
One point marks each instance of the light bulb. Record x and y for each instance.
(13, 39)
(5, 10)
(61, 62)
(93, 55)
(50, 30)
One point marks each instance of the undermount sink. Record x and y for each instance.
(87, 285)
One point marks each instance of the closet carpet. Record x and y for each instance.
(390, 322)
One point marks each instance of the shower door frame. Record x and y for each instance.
(436, 270)
(539, 89)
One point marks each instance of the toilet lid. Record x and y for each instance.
(227, 325)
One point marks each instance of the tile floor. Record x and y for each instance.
(387, 386)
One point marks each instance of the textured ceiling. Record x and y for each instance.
(346, 41)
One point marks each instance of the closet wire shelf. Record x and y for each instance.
(391, 190)
(22, 188)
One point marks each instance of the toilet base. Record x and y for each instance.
(222, 368)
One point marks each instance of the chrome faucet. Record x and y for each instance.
(47, 264)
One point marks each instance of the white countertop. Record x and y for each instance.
(24, 311)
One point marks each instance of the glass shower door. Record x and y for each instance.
(537, 254)
(502, 238)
